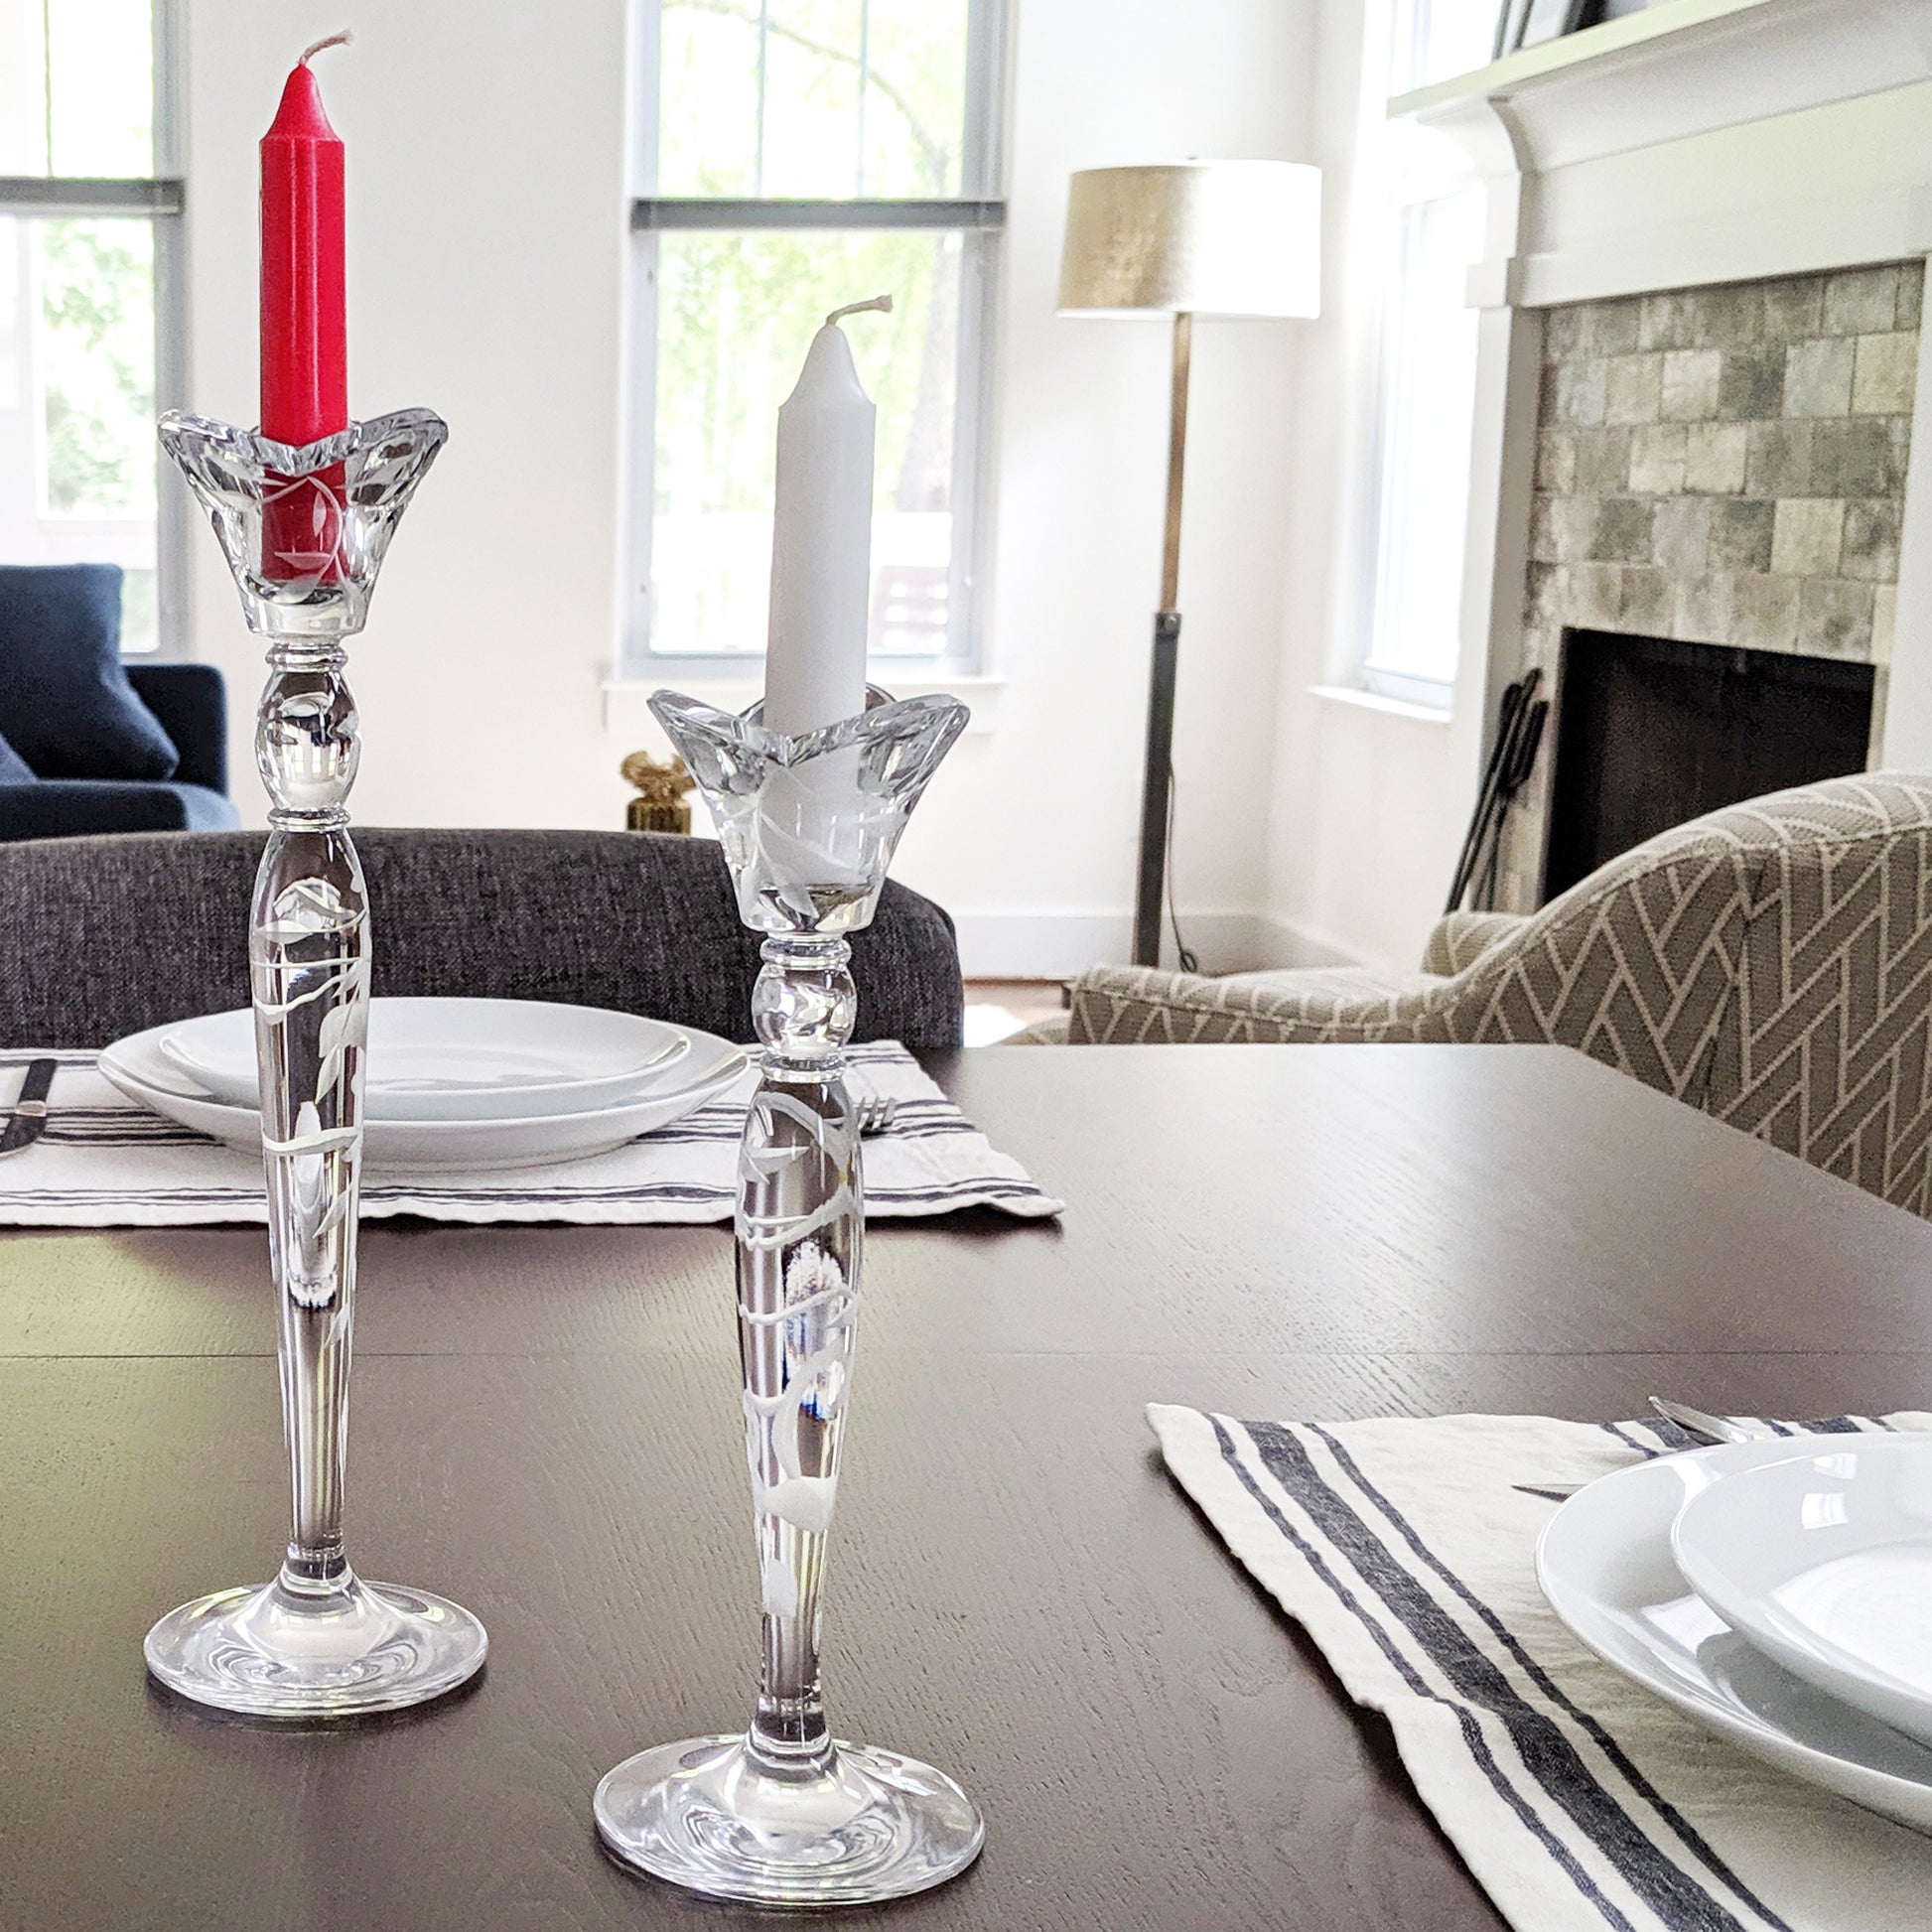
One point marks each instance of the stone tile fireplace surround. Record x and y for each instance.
(1721, 466)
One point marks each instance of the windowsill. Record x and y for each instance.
(626, 697)
(1350, 694)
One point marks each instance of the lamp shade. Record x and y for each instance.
(1200, 238)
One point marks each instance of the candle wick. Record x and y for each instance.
(335, 40)
(882, 303)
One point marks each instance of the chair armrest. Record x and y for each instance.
(1461, 938)
(192, 701)
(1143, 1006)
(1042, 1033)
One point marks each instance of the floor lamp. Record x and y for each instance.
(1197, 238)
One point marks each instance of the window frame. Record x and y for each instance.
(162, 198)
(977, 214)
(1388, 677)
(1402, 198)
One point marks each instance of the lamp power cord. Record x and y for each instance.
(1184, 955)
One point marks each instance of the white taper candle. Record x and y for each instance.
(821, 546)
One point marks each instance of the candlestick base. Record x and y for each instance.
(851, 1827)
(282, 1651)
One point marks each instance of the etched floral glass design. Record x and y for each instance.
(783, 1813)
(809, 824)
(304, 531)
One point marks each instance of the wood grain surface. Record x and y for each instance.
(546, 1428)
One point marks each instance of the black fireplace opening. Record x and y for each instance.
(1652, 731)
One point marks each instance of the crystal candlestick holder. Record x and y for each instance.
(783, 1813)
(304, 531)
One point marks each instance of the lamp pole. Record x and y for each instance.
(1158, 779)
(1184, 239)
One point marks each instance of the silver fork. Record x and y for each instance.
(874, 1114)
(1709, 1429)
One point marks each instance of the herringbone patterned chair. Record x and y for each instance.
(1770, 965)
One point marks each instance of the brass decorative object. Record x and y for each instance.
(661, 787)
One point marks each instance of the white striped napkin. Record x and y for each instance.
(1580, 1802)
(103, 1161)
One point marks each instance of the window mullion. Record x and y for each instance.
(174, 511)
(168, 53)
(865, 61)
(972, 443)
(728, 215)
(981, 164)
(69, 194)
(645, 81)
(765, 47)
(641, 511)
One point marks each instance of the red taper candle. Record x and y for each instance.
(304, 326)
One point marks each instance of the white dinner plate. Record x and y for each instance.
(1604, 1563)
(138, 1068)
(461, 1059)
(1823, 1558)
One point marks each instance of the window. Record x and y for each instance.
(1427, 214)
(1432, 40)
(89, 333)
(794, 156)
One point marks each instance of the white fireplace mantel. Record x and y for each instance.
(1683, 67)
(1698, 141)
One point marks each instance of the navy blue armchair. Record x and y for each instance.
(190, 702)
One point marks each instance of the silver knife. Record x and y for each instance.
(29, 1117)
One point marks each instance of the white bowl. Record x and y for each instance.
(1824, 1560)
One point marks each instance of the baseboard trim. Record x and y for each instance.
(1057, 945)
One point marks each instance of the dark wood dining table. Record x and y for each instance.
(546, 1427)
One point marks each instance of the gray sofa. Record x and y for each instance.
(113, 934)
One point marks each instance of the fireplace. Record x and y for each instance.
(1719, 465)
(1652, 731)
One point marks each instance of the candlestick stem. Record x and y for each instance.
(801, 1228)
(309, 961)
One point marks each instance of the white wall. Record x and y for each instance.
(1367, 805)
(487, 224)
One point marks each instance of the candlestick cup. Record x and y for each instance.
(783, 1813)
(304, 531)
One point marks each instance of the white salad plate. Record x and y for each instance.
(461, 1059)
(1823, 1558)
(139, 1069)
(1605, 1566)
